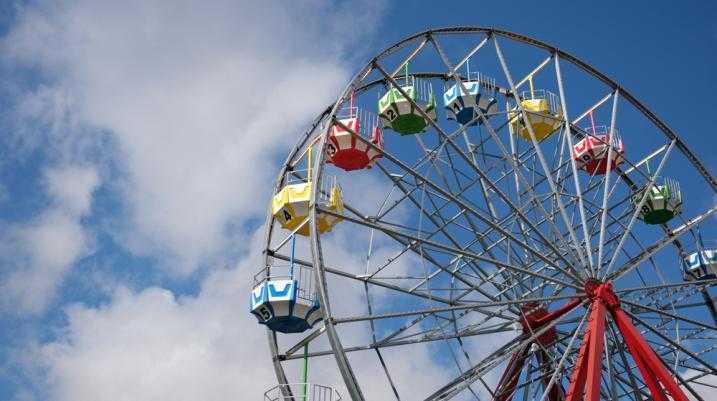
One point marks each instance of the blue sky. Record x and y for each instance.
(113, 203)
(661, 51)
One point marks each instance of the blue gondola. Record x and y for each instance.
(701, 265)
(460, 102)
(283, 298)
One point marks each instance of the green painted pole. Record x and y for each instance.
(306, 372)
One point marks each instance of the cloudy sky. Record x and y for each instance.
(138, 142)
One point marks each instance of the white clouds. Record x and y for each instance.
(72, 188)
(703, 385)
(151, 345)
(44, 250)
(199, 96)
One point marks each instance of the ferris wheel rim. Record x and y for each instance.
(464, 29)
(318, 264)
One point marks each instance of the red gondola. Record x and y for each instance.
(348, 146)
(591, 152)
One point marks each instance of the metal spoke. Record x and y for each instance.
(494, 187)
(457, 385)
(563, 359)
(704, 363)
(573, 165)
(462, 204)
(450, 249)
(471, 305)
(638, 207)
(668, 314)
(606, 185)
(672, 236)
(539, 152)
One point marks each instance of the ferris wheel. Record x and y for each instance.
(481, 216)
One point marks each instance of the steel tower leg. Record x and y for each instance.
(588, 367)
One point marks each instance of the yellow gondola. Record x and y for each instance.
(543, 111)
(290, 206)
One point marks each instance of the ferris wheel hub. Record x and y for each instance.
(598, 290)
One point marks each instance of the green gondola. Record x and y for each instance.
(400, 115)
(662, 204)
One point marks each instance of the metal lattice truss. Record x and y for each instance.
(483, 234)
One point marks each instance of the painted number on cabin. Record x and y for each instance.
(265, 313)
(390, 114)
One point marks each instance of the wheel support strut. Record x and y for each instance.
(585, 380)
